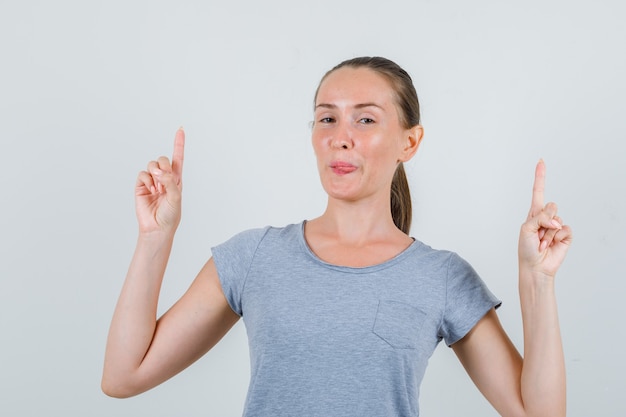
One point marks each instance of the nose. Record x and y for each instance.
(341, 144)
(342, 137)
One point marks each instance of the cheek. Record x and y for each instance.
(317, 148)
(319, 142)
(316, 138)
(384, 147)
(318, 151)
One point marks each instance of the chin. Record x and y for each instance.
(341, 194)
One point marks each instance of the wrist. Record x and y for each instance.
(156, 237)
(534, 274)
(535, 285)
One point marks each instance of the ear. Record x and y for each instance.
(412, 139)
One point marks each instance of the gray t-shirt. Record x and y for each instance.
(329, 340)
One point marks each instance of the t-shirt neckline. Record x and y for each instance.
(355, 269)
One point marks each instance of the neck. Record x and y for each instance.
(355, 234)
(357, 223)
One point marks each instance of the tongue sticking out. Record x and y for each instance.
(342, 168)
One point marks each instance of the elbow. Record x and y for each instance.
(112, 387)
(114, 391)
(120, 382)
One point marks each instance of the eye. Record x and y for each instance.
(327, 120)
(366, 121)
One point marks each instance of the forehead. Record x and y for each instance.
(355, 85)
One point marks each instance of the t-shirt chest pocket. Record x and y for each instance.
(399, 324)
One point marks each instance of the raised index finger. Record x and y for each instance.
(538, 187)
(179, 153)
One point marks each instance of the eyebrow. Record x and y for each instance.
(357, 106)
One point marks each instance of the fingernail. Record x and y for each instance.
(543, 245)
(556, 224)
(157, 172)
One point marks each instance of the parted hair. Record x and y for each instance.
(409, 112)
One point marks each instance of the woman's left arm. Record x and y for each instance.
(535, 385)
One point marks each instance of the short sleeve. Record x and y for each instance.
(233, 260)
(467, 300)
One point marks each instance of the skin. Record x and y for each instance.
(142, 351)
(360, 126)
(534, 385)
(357, 123)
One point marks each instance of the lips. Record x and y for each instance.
(342, 168)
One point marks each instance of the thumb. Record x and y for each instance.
(545, 219)
(542, 221)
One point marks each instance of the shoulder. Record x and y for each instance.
(425, 253)
(441, 264)
(250, 239)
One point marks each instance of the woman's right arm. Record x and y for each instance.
(142, 351)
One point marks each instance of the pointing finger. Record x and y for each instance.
(179, 153)
(538, 187)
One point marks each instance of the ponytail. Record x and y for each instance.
(401, 208)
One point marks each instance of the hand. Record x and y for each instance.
(158, 191)
(544, 240)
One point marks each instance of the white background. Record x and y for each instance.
(91, 91)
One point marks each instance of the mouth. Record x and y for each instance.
(342, 168)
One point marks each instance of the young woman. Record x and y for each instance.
(344, 310)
